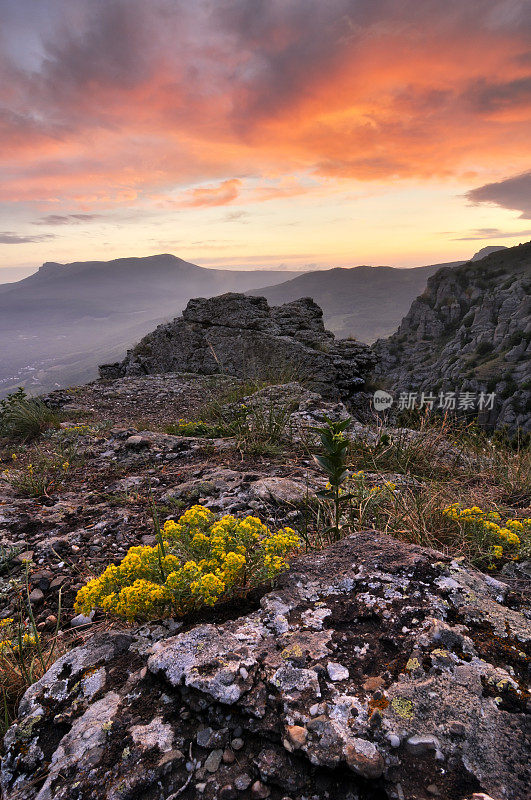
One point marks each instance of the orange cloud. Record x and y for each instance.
(134, 100)
(221, 195)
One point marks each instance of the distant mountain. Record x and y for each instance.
(470, 331)
(487, 251)
(364, 302)
(58, 324)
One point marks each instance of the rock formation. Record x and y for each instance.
(243, 336)
(469, 332)
(374, 669)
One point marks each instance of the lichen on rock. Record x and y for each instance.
(348, 697)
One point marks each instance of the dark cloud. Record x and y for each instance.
(492, 233)
(7, 237)
(513, 193)
(491, 97)
(66, 219)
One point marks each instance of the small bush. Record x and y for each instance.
(484, 347)
(43, 474)
(25, 418)
(496, 540)
(199, 428)
(197, 562)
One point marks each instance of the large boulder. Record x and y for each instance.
(242, 336)
(374, 670)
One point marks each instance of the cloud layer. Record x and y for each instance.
(108, 102)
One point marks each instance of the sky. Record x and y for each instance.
(287, 134)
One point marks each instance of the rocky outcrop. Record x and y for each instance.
(375, 669)
(242, 336)
(469, 332)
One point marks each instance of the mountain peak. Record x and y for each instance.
(486, 251)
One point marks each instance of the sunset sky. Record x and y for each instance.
(263, 133)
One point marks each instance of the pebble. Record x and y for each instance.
(214, 760)
(243, 782)
(336, 672)
(203, 737)
(80, 620)
(237, 744)
(36, 596)
(297, 735)
(228, 756)
(227, 792)
(260, 791)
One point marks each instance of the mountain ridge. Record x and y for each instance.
(366, 302)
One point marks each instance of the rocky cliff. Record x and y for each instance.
(470, 331)
(242, 336)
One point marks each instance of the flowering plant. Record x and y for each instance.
(503, 539)
(198, 561)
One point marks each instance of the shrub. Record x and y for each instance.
(198, 428)
(484, 347)
(197, 562)
(43, 474)
(498, 540)
(25, 418)
(261, 427)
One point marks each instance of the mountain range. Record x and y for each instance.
(58, 324)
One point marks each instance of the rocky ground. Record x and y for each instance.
(100, 505)
(374, 670)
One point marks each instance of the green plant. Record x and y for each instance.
(24, 656)
(498, 540)
(196, 562)
(260, 426)
(198, 428)
(333, 461)
(43, 474)
(25, 418)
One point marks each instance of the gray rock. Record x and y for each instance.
(239, 335)
(337, 672)
(80, 620)
(213, 761)
(116, 711)
(470, 331)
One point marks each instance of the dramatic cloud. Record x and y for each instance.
(115, 101)
(7, 237)
(513, 193)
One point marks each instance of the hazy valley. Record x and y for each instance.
(58, 324)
